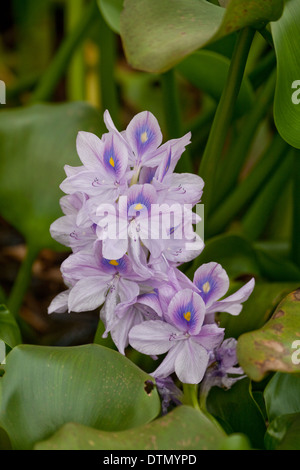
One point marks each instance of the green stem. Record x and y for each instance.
(224, 114)
(20, 288)
(296, 208)
(235, 158)
(76, 71)
(51, 77)
(247, 189)
(108, 52)
(190, 395)
(173, 116)
(257, 216)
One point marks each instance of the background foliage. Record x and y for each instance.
(225, 74)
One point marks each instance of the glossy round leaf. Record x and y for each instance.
(282, 395)
(184, 428)
(44, 388)
(111, 11)
(157, 35)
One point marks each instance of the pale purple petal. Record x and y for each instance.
(210, 336)
(144, 135)
(87, 294)
(191, 362)
(60, 303)
(122, 327)
(152, 337)
(89, 149)
(167, 366)
(115, 157)
(232, 304)
(212, 281)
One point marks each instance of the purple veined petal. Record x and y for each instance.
(144, 135)
(72, 203)
(151, 303)
(114, 249)
(232, 304)
(164, 165)
(87, 294)
(60, 303)
(152, 337)
(212, 281)
(210, 336)
(186, 311)
(89, 149)
(65, 231)
(139, 200)
(147, 174)
(86, 181)
(115, 157)
(191, 362)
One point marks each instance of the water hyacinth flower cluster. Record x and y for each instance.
(129, 221)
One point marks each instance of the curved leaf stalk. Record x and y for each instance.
(255, 220)
(247, 189)
(236, 157)
(224, 114)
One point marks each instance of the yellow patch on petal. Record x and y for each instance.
(206, 287)
(112, 162)
(114, 262)
(187, 316)
(144, 137)
(139, 206)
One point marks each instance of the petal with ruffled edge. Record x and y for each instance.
(186, 311)
(144, 136)
(212, 281)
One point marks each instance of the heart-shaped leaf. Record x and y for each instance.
(44, 388)
(184, 428)
(157, 35)
(274, 346)
(35, 144)
(111, 11)
(286, 35)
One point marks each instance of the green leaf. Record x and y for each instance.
(200, 69)
(286, 36)
(282, 395)
(272, 347)
(111, 11)
(283, 433)
(258, 309)
(184, 428)
(44, 388)
(35, 144)
(9, 329)
(237, 408)
(156, 37)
